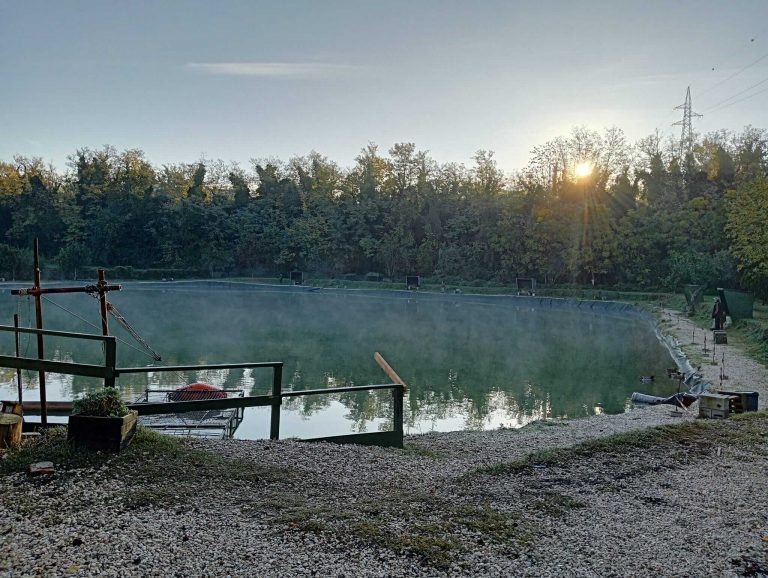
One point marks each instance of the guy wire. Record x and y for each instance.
(126, 343)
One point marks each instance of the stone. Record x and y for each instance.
(41, 468)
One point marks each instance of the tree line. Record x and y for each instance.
(589, 208)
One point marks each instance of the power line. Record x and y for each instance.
(745, 98)
(734, 75)
(738, 94)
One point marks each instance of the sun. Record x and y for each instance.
(584, 169)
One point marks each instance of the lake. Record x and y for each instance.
(471, 362)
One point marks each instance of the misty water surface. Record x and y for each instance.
(470, 363)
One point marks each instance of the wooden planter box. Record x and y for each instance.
(110, 434)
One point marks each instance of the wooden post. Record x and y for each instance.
(388, 370)
(40, 340)
(277, 400)
(18, 353)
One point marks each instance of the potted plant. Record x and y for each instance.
(101, 421)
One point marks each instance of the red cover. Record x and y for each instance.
(196, 392)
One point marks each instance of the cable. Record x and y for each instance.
(737, 94)
(746, 97)
(132, 332)
(734, 75)
(127, 343)
(84, 320)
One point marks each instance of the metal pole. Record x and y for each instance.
(399, 393)
(110, 346)
(18, 352)
(277, 400)
(40, 340)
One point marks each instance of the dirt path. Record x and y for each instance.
(743, 373)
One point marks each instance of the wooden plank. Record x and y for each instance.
(200, 405)
(54, 407)
(389, 371)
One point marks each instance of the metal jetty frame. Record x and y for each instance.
(210, 423)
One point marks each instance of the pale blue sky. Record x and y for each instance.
(243, 79)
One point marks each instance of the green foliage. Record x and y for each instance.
(747, 231)
(50, 446)
(71, 258)
(105, 402)
(682, 434)
(697, 268)
(642, 219)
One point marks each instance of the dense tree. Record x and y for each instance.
(747, 218)
(640, 217)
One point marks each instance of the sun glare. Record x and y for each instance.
(584, 169)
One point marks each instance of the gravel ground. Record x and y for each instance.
(557, 498)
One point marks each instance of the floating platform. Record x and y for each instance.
(217, 423)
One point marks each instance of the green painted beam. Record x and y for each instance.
(200, 405)
(32, 364)
(387, 439)
(153, 369)
(53, 333)
(349, 389)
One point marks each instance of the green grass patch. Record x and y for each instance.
(686, 433)
(556, 504)
(431, 542)
(151, 458)
(493, 525)
(50, 446)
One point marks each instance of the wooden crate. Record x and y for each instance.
(721, 337)
(101, 433)
(714, 405)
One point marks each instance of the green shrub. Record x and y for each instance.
(103, 403)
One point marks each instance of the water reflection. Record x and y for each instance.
(471, 364)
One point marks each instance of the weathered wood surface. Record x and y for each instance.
(101, 433)
(10, 430)
(389, 371)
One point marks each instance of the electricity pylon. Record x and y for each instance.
(686, 136)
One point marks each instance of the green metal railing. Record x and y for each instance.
(109, 373)
(105, 372)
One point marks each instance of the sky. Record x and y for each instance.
(243, 79)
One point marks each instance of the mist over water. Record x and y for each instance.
(470, 362)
